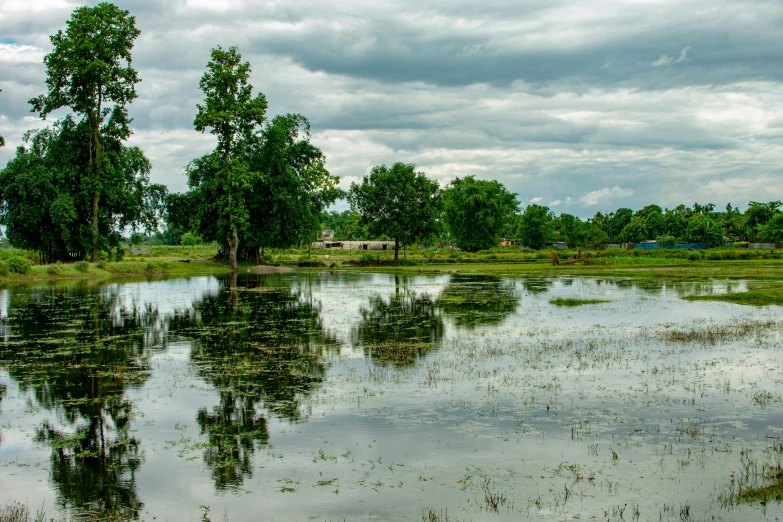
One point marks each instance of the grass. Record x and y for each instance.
(752, 298)
(575, 302)
(167, 260)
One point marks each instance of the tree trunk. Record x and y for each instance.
(233, 244)
(96, 166)
(396, 249)
(95, 230)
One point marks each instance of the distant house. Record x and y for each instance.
(327, 235)
(507, 242)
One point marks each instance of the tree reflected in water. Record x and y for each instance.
(76, 352)
(397, 330)
(478, 300)
(260, 344)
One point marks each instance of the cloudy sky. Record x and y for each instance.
(580, 105)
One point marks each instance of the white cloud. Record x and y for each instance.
(605, 195)
(666, 59)
(537, 199)
(555, 203)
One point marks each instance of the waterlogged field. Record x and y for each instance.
(356, 396)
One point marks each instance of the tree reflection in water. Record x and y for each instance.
(76, 352)
(261, 345)
(478, 300)
(399, 329)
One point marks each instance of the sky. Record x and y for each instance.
(583, 106)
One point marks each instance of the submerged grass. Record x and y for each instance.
(751, 298)
(576, 302)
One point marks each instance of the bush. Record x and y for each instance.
(119, 254)
(20, 265)
(3, 268)
(101, 265)
(82, 266)
(150, 267)
(740, 244)
(53, 270)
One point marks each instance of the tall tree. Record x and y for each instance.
(43, 193)
(233, 115)
(89, 71)
(397, 202)
(477, 211)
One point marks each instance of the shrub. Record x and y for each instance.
(694, 256)
(53, 270)
(82, 266)
(20, 265)
(101, 265)
(119, 254)
(666, 241)
(150, 267)
(741, 244)
(3, 268)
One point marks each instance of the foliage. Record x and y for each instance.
(20, 265)
(666, 241)
(45, 195)
(397, 202)
(232, 114)
(190, 239)
(89, 71)
(4, 270)
(635, 231)
(535, 226)
(477, 211)
(703, 229)
(82, 266)
(772, 231)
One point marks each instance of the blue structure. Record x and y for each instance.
(655, 246)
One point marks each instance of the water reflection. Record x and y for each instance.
(260, 344)
(479, 300)
(76, 352)
(398, 329)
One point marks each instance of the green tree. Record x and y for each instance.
(759, 214)
(43, 193)
(477, 211)
(635, 231)
(773, 230)
(617, 222)
(190, 239)
(89, 70)
(535, 226)
(233, 115)
(397, 202)
(287, 203)
(703, 229)
(572, 230)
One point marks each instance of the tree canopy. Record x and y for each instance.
(477, 211)
(397, 202)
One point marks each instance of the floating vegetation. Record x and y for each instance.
(751, 298)
(576, 302)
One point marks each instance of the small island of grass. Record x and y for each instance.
(576, 302)
(752, 298)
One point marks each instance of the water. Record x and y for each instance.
(355, 396)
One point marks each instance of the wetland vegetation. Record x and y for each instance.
(356, 395)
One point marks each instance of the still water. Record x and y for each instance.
(361, 396)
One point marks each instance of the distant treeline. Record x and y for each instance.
(537, 225)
